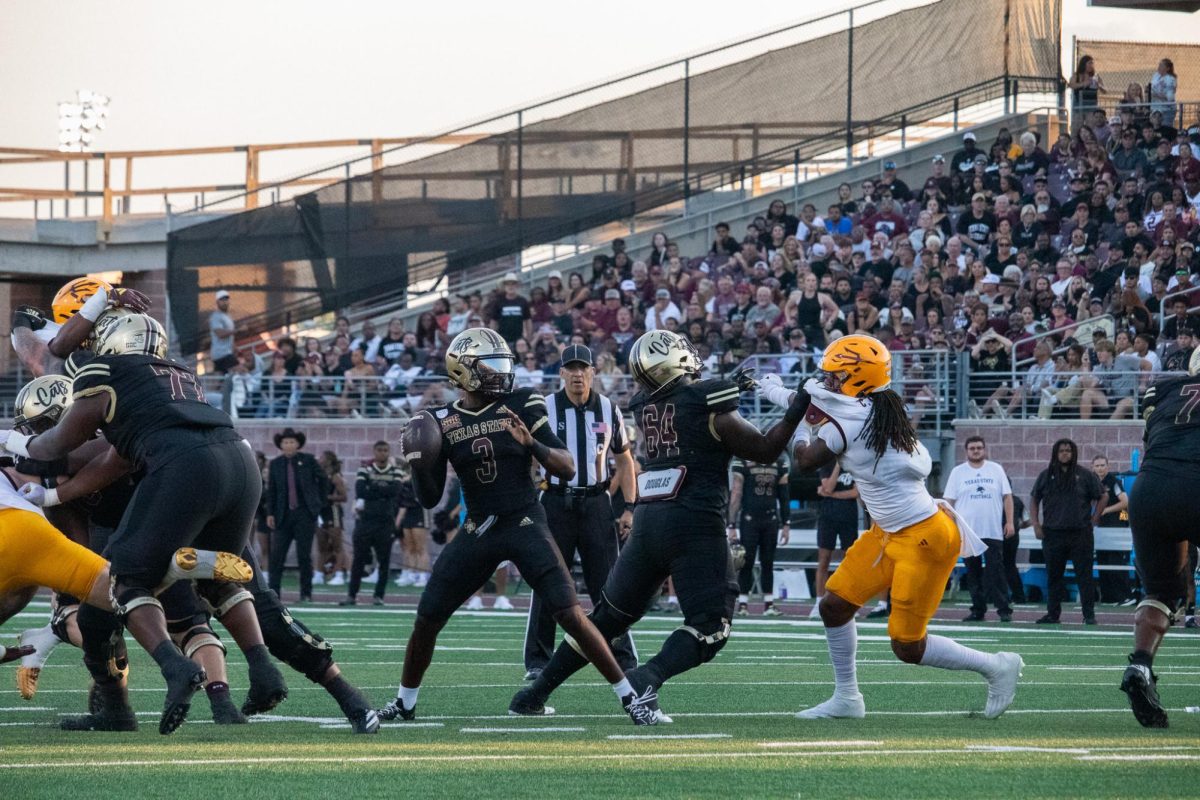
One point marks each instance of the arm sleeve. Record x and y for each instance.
(620, 440)
(783, 493)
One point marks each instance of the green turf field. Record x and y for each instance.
(1069, 734)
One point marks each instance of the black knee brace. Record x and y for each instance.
(290, 641)
(222, 596)
(58, 620)
(710, 630)
(104, 651)
(126, 598)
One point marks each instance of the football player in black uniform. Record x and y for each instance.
(492, 436)
(759, 518)
(691, 430)
(201, 487)
(1162, 515)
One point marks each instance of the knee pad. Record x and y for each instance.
(1149, 602)
(58, 620)
(223, 596)
(711, 631)
(290, 641)
(126, 598)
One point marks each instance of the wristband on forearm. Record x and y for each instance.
(94, 306)
(795, 410)
(540, 451)
(50, 498)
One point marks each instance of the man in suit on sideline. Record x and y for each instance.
(297, 488)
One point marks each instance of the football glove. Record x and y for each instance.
(744, 378)
(29, 317)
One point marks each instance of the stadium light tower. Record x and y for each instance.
(80, 119)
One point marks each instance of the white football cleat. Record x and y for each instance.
(475, 603)
(190, 564)
(1002, 687)
(837, 707)
(44, 641)
(502, 603)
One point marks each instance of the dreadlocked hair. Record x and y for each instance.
(887, 425)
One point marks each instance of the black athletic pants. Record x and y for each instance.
(760, 537)
(372, 536)
(1162, 517)
(1076, 545)
(1012, 576)
(584, 526)
(296, 526)
(986, 579)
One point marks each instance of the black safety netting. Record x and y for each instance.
(608, 153)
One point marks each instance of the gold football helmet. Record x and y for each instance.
(479, 360)
(73, 294)
(865, 360)
(41, 404)
(660, 359)
(128, 333)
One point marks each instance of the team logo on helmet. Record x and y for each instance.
(74, 294)
(129, 333)
(41, 404)
(659, 359)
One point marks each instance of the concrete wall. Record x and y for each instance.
(1023, 448)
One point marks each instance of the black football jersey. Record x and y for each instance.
(677, 428)
(838, 509)
(760, 485)
(495, 471)
(145, 395)
(1172, 420)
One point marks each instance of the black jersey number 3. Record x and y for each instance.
(182, 383)
(661, 438)
(482, 447)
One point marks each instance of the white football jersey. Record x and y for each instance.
(9, 497)
(892, 486)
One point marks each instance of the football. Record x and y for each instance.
(421, 441)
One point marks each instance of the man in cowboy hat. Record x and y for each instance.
(296, 491)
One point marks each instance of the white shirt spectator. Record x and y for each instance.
(458, 323)
(371, 351)
(222, 346)
(978, 494)
(671, 311)
(528, 378)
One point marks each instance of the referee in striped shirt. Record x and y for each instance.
(580, 511)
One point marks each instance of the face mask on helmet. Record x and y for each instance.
(495, 373)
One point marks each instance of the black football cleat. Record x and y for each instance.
(526, 703)
(108, 710)
(364, 720)
(396, 709)
(267, 689)
(184, 678)
(647, 693)
(1141, 685)
(224, 712)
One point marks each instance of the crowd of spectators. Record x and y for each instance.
(1052, 268)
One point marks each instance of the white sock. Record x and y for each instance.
(949, 654)
(673, 599)
(770, 598)
(843, 649)
(743, 598)
(623, 688)
(408, 696)
(843, 643)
